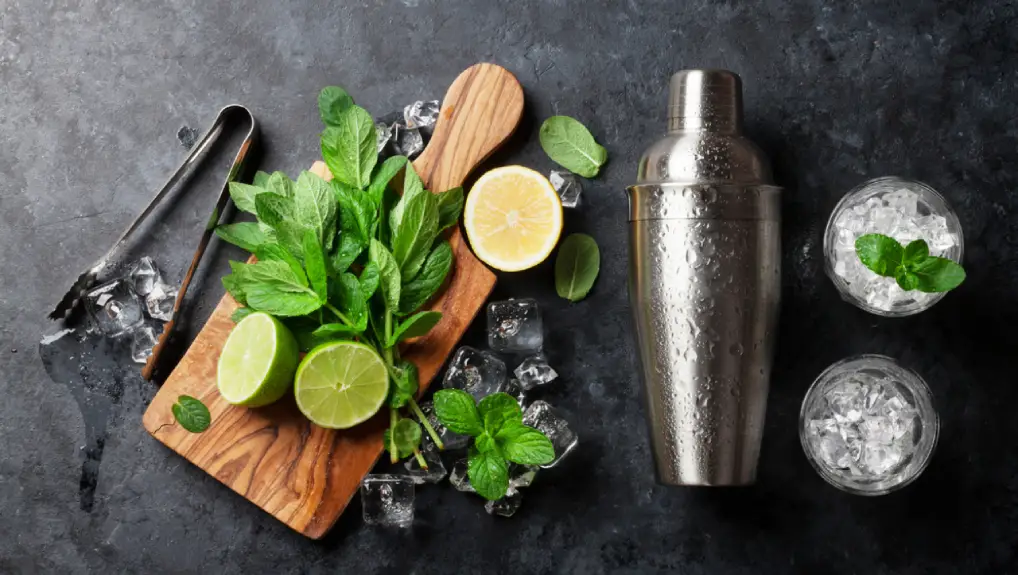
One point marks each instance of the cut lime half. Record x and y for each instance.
(258, 361)
(340, 384)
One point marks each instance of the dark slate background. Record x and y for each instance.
(92, 94)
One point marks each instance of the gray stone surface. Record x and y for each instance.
(93, 94)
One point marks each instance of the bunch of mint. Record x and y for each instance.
(911, 266)
(500, 437)
(350, 258)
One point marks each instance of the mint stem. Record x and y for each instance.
(427, 425)
(338, 314)
(393, 418)
(388, 333)
(420, 459)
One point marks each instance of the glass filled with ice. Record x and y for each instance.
(868, 425)
(905, 210)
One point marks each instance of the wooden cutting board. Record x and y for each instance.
(302, 474)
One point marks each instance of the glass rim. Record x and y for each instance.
(931, 426)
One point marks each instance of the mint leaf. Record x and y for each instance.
(350, 150)
(349, 248)
(407, 436)
(403, 388)
(906, 279)
(356, 212)
(498, 410)
(332, 102)
(428, 281)
(413, 225)
(450, 207)
(191, 414)
(414, 326)
(243, 196)
(314, 207)
(485, 443)
(240, 313)
(915, 252)
(488, 473)
(525, 445)
(388, 272)
(315, 262)
(346, 293)
(273, 287)
(569, 144)
(328, 331)
(233, 282)
(456, 410)
(280, 184)
(260, 180)
(385, 173)
(277, 212)
(881, 254)
(369, 279)
(245, 235)
(937, 275)
(266, 252)
(576, 267)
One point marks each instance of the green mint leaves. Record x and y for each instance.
(570, 145)
(911, 266)
(351, 258)
(191, 414)
(500, 437)
(576, 267)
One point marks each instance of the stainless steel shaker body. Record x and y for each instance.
(705, 283)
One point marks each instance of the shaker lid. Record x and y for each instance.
(705, 99)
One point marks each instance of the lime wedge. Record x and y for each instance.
(340, 384)
(257, 364)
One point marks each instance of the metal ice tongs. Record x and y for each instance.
(89, 277)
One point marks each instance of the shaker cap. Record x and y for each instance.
(705, 100)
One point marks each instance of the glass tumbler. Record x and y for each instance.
(868, 425)
(903, 209)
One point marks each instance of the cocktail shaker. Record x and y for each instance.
(705, 284)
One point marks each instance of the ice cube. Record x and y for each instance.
(145, 276)
(435, 471)
(515, 389)
(114, 308)
(515, 326)
(521, 476)
(506, 506)
(159, 302)
(542, 416)
(567, 186)
(535, 371)
(458, 477)
(143, 340)
(479, 373)
(408, 141)
(388, 500)
(450, 440)
(384, 135)
(421, 114)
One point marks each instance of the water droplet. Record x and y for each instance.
(691, 256)
(735, 349)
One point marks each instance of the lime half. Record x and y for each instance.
(341, 384)
(257, 364)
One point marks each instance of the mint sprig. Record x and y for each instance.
(351, 258)
(911, 266)
(500, 437)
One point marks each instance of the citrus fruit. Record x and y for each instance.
(340, 384)
(513, 218)
(257, 363)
